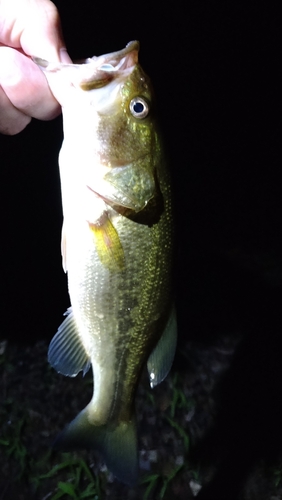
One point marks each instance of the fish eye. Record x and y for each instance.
(139, 107)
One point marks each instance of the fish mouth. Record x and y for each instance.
(119, 60)
(97, 71)
(103, 69)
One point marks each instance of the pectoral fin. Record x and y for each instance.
(108, 245)
(161, 358)
(66, 352)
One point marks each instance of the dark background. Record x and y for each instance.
(215, 69)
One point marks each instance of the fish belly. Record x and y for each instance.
(108, 305)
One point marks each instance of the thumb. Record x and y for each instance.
(42, 33)
(34, 27)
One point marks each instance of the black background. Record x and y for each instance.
(215, 69)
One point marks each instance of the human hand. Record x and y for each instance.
(27, 27)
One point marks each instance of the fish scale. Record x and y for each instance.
(116, 246)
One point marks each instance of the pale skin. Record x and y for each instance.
(27, 28)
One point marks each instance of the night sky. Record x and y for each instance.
(214, 66)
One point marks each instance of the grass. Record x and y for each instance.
(158, 484)
(179, 400)
(81, 482)
(35, 403)
(15, 449)
(71, 477)
(277, 473)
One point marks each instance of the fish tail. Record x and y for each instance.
(117, 444)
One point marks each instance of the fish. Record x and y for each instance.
(117, 249)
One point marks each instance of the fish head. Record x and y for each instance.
(109, 126)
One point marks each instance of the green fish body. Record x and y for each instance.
(116, 247)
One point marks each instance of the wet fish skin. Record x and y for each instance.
(116, 246)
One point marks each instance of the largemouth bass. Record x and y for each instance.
(116, 248)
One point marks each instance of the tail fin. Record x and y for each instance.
(117, 444)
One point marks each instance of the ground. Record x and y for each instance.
(36, 403)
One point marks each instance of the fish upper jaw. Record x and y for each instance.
(120, 59)
(92, 74)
